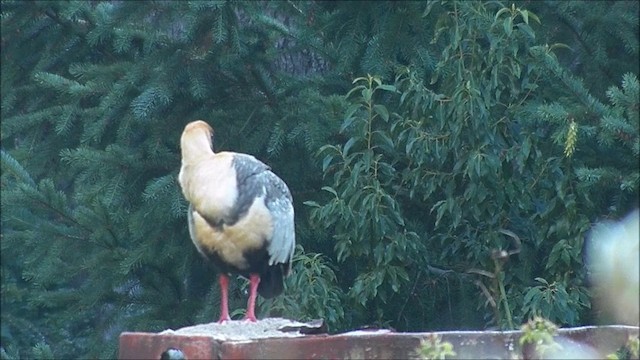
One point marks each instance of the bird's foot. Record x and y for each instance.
(223, 319)
(250, 318)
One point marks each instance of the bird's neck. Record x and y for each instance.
(196, 149)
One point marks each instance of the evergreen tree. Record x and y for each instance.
(468, 164)
(601, 38)
(94, 227)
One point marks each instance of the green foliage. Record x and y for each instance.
(368, 225)
(633, 344)
(432, 347)
(38, 351)
(319, 299)
(553, 300)
(538, 333)
(464, 161)
(360, 40)
(97, 96)
(589, 126)
(631, 350)
(602, 38)
(450, 188)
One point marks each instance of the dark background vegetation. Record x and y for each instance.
(447, 159)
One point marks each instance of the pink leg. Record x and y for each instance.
(254, 280)
(224, 293)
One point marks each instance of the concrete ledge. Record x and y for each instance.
(594, 341)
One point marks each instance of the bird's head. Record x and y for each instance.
(196, 140)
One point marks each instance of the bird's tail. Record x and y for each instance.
(272, 281)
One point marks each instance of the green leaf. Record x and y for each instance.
(525, 16)
(533, 16)
(346, 123)
(326, 162)
(526, 148)
(324, 148)
(532, 296)
(352, 141)
(367, 94)
(542, 280)
(500, 12)
(387, 88)
(359, 87)
(507, 24)
(382, 111)
(330, 190)
(384, 139)
(412, 140)
(311, 203)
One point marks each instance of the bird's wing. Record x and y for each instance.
(256, 180)
(279, 201)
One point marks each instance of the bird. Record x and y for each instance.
(240, 216)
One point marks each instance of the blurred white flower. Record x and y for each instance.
(613, 257)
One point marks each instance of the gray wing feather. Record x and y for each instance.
(279, 202)
(256, 179)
